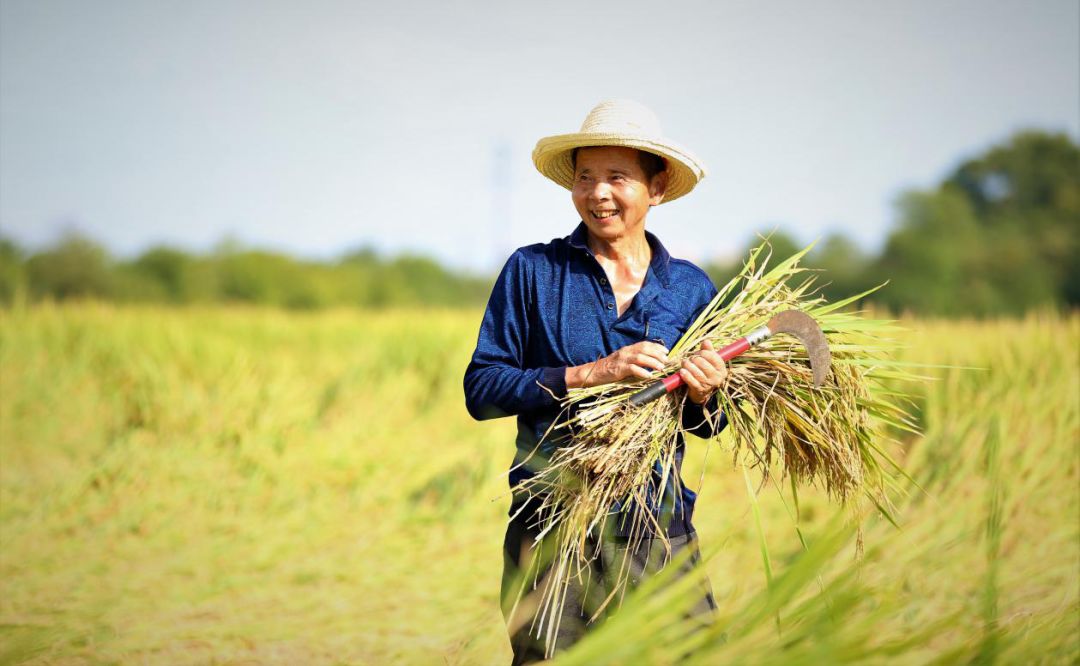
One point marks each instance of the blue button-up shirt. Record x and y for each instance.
(552, 307)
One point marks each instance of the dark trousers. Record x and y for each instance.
(524, 578)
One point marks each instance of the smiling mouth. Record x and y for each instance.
(604, 214)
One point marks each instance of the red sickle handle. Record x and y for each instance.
(672, 382)
(735, 348)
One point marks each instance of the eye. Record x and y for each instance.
(617, 177)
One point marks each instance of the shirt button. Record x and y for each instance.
(603, 280)
(610, 306)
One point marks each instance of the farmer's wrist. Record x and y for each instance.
(577, 375)
(573, 379)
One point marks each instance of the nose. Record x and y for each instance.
(601, 191)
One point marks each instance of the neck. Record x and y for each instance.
(631, 250)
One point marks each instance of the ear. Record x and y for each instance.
(657, 188)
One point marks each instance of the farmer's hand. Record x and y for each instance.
(704, 372)
(637, 360)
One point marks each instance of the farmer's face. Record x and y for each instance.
(611, 193)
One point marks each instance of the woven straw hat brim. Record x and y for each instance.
(552, 158)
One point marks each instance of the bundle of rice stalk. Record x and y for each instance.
(621, 458)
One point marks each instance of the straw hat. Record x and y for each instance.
(619, 122)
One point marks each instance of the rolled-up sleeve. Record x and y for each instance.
(496, 381)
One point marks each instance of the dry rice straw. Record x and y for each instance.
(619, 456)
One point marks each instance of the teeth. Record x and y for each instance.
(601, 214)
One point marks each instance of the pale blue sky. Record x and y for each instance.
(314, 127)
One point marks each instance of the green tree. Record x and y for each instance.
(930, 258)
(76, 267)
(170, 269)
(845, 267)
(12, 272)
(999, 235)
(1030, 187)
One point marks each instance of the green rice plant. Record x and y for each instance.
(830, 436)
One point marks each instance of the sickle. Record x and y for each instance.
(792, 322)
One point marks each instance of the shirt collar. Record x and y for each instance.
(660, 256)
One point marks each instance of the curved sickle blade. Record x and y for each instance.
(803, 326)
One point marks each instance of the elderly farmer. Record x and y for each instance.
(600, 305)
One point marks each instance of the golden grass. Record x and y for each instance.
(250, 486)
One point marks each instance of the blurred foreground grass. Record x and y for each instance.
(253, 486)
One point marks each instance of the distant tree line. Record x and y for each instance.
(78, 268)
(1000, 235)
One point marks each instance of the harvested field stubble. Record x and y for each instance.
(249, 485)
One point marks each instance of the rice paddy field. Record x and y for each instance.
(250, 486)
